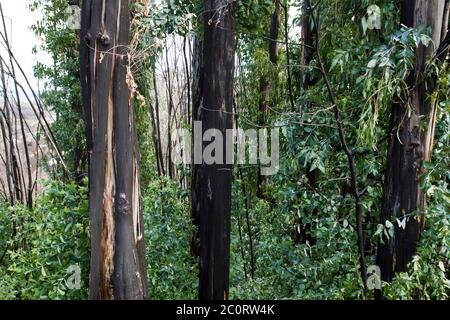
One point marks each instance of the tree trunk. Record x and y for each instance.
(159, 154)
(407, 151)
(117, 245)
(307, 50)
(197, 101)
(212, 189)
(300, 232)
(171, 113)
(273, 33)
(264, 85)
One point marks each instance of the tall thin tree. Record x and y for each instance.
(197, 101)
(264, 84)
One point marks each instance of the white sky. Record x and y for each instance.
(18, 22)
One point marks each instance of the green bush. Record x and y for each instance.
(50, 239)
(172, 272)
(328, 269)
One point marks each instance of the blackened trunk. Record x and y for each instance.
(273, 33)
(307, 44)
(155, 139)
(197, 101)
(171, 113)
(159, 154)
(300, 232)
(264, 85)
(212, 196)
(410, 146)
(262, 117)
(117, 244)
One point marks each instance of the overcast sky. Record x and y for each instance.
(19, 20)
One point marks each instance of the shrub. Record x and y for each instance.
(50, 239)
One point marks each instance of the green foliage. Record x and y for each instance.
(56, 236)
(61, 92)
(366, 76)
(327, 269)
(50, 239)
(385, 78)
(367, 63)
(172, 272)
(250, 15)
(152, 23)
(429, 272)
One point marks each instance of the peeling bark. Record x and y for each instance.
(410, 146)
(117, 245)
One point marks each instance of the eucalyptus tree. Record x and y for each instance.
(61, 92)
(118, 268)
(212, 182)
(264, 83)
(413, 122)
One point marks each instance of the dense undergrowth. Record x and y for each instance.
(297, 240)
(55, 236)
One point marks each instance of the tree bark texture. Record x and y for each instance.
(197, 101)
(410, 145)
(118, 268)
(212, 188)
(264, 84)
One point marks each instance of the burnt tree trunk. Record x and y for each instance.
(307, 50)
(159, 154)
(300, 232)
(410, 145)
(212, 188)
(79, 156)
(171, 113)
(197, 101)
(264, 85)
(117, 245)
(273, 33)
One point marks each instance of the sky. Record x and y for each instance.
(18, 22)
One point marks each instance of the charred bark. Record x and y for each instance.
(273, 33)
(117, 245)
(307, 50)
(300, 232)
(197, 101)
(212, 198)
(264, 84)
(159, 154)
(409, 145)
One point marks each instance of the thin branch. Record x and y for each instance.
(350, 158)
